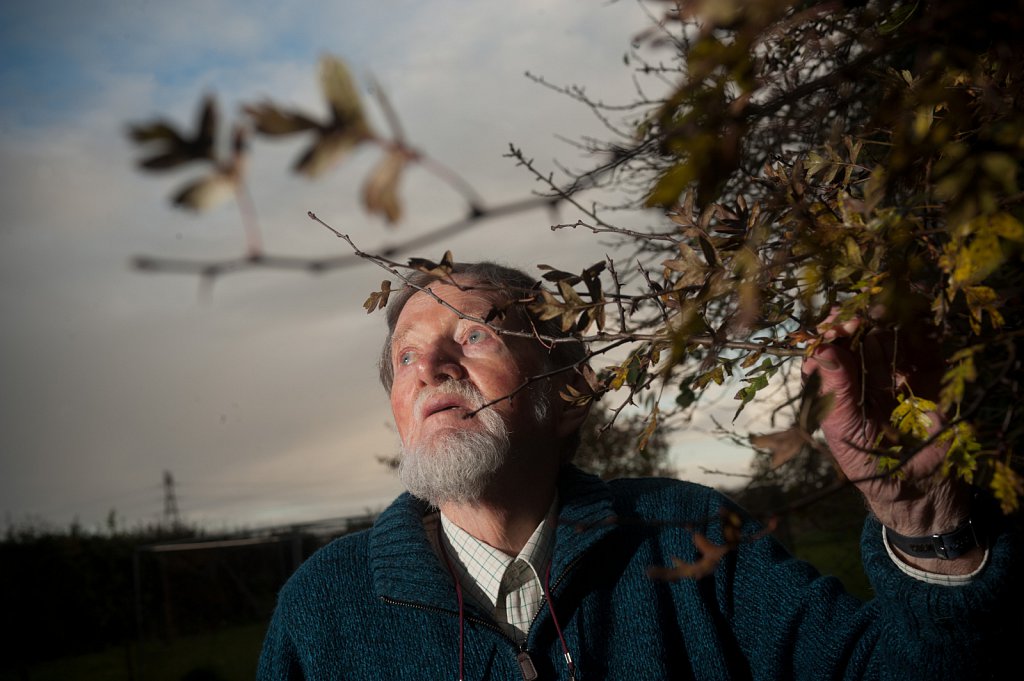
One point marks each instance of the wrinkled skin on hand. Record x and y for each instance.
(864, 372)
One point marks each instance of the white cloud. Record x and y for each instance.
(112, 376)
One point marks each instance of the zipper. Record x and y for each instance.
(452, 613)
(526, 667)
(523, 656)
(559, 580)
(522, 652)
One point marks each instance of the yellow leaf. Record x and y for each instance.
(978, 250)
(652, 425)
(619, 378)
(751, 359)
(923, 118)
(1007, 487)
(955, 379)
(669, 186)
(1006, 226)
(891, 464)
(911, 416)
(982, 300)
(961, 457)
(717, 375)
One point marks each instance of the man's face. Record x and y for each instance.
(432, 345)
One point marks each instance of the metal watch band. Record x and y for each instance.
(945, 546)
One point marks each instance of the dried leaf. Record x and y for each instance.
(569, 294)
(378, 299)
(783, 446)
(690, 267)
(439, 270)
(652, 425)
(270, 120)
(173, 148)
(710, 555)
(325, 152)
(751, 359)
(347, 127)
(548, 307)
(574, 397)
(709, 251)
(152, 132)
(814, 406)
(592, 279)
(552, 274)
(340, 91)
(498, 311)
(593, 382)
(380, 191)
(716, 374)
(206, 192)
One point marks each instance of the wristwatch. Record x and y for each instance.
(945, 546)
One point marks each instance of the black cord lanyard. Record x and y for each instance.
(529, 673)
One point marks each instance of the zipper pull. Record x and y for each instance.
(526, 666)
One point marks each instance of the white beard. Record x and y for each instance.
(458, 465)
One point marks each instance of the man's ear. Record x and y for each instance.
(573, 412)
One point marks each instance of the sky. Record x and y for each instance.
(260, 396)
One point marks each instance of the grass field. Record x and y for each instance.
(230, 654)
(225, 655)
(834, 555)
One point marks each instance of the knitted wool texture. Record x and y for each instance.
(380, 605)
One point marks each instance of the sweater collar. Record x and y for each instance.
(405, 568)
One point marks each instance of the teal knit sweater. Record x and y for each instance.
(380, 605)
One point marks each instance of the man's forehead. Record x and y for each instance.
(468, 298)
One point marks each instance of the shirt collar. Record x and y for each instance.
(406, 568)
(483, 568)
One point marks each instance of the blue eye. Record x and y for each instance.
(475, 336)
(405, 359)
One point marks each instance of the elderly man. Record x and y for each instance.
(503, 561)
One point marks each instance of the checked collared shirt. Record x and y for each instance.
(508, 588)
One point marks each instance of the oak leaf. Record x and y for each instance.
(378, 299)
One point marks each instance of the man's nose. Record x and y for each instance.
(439, 364)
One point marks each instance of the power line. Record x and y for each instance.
(172, 517)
